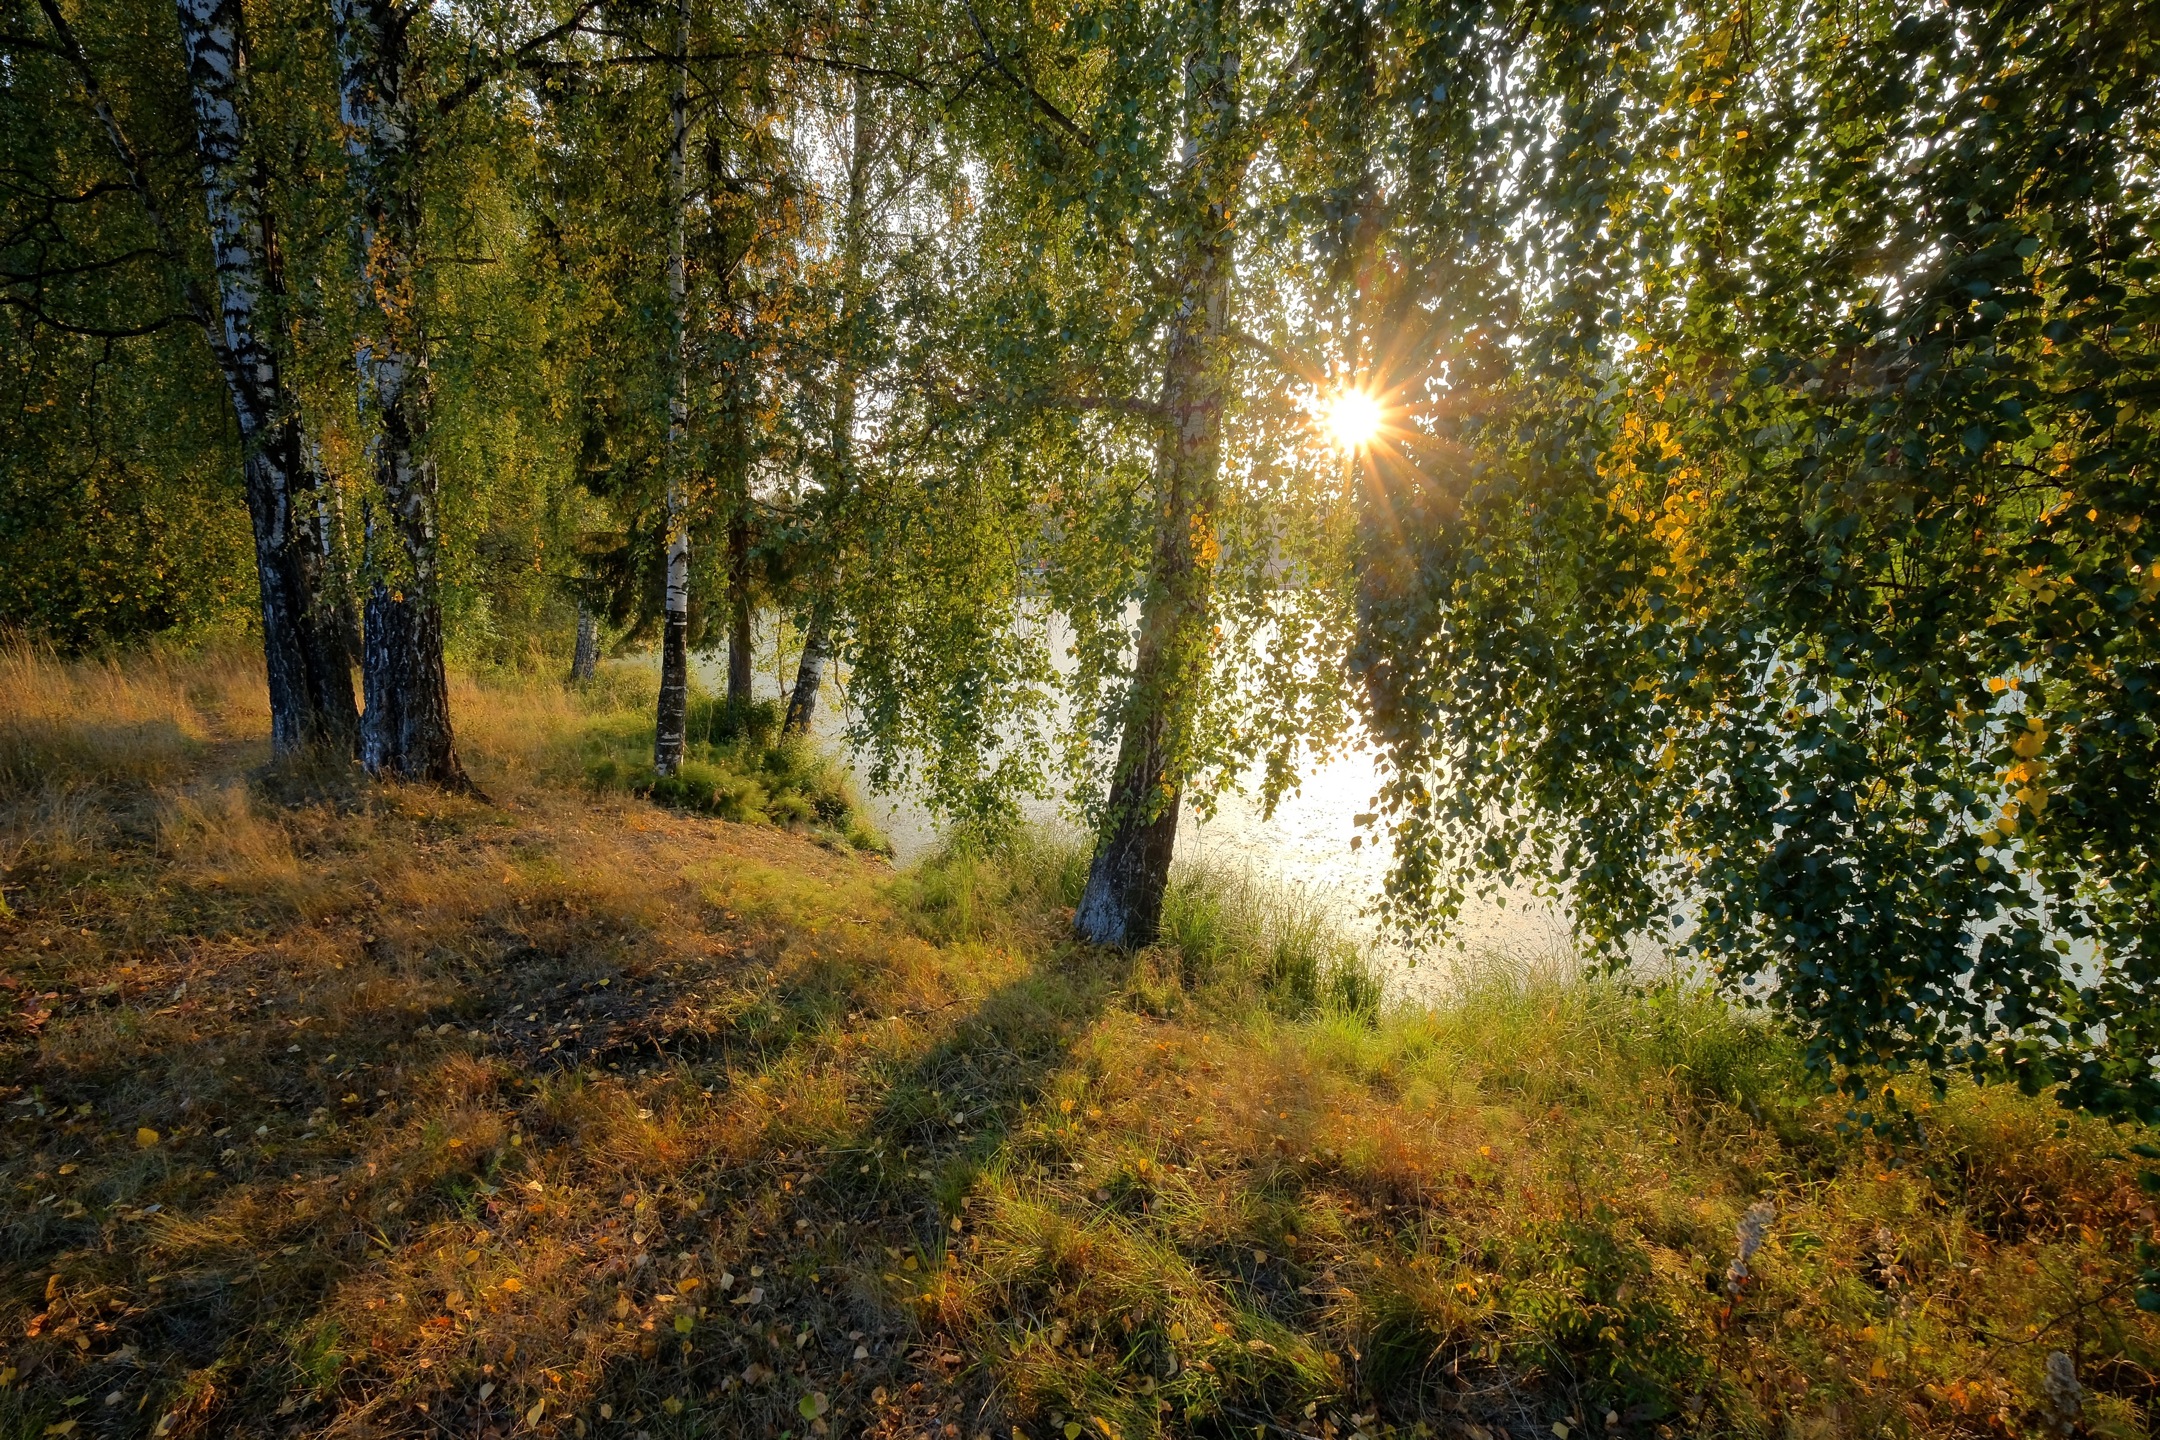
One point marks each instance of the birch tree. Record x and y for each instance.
(1122, 904)
(1792, 598)
(307, 663)
(1131, 339)
(670, 724)
(304, 639)
(405, 727)
(860, 160)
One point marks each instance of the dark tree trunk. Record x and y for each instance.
(669, 737)
(1130, 873)
(809, 675)
(738, 596)
(586, 658)
(405, 731)
(305, 652)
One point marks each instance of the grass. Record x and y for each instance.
(395, 1113)
(736, 766)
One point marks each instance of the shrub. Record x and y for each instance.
(736, 767)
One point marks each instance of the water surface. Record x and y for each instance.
(1305, 846)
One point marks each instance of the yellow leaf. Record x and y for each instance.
(1878, 1370)
(532, 1416)
(513, 1285)
(146, 1137)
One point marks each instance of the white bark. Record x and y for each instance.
(405, 729)
(672, 716)
(304, 646)
(678, 565)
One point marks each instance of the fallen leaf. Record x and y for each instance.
(145, 1137)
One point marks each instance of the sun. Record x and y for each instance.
(1352, 418)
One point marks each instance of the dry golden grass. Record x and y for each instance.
(392, 1113)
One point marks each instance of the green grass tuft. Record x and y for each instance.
(736, 766)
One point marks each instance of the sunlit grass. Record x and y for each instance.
(573, 1114)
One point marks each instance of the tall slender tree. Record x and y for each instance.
(307, 664)
(672, 721)
(405, 729)
(304, 639)
(1122, 904)
(854, 243)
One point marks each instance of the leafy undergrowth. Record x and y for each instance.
(400, 1114)
(736, 766)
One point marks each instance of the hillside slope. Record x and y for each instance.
(394, 1114)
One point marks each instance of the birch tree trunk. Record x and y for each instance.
(1130, 873)
(405, 728)
(809, 670)
(854, 247)
(673, 717)
(306, 661)
(308, 666)
(586, 658)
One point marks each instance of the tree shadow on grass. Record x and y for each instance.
(830, 1242)
(263, 1155)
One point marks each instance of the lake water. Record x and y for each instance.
(1304, 846)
